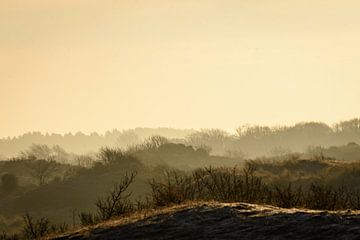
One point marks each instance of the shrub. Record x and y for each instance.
(9, 183)
(221, 184)
(35, 229)
(5, 236)
(176, 188)
(115, 156)
(87, 218)
(288, 196)
(42, 170)
(116, 203)
(235, 185)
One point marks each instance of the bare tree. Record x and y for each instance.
(85, 161)
(110, 155)
(116, 203)
(155, 142)
(42, 170)
(38, 151)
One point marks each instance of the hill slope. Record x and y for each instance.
(213, 220)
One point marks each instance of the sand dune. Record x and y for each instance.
(212, 220)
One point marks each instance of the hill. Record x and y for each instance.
(69, 188)
(213, 220)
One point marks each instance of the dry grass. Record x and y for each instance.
(224, 221)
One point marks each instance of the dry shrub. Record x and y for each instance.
(243, 185)
(115, 203)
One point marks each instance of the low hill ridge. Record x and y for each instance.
(214, 220)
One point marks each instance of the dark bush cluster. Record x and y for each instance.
(243, 185)
(221, 184)
(9, 183)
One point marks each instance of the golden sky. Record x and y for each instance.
(85, 65)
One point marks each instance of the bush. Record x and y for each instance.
(5, 236)
(87, 219)
(115, 156)
(115, 203)
(174, 189)
(221, 184)
(234, 185)
(9, 183)
(288, 196)
(35, 229)
(42, 170)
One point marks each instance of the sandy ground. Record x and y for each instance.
(213, 220)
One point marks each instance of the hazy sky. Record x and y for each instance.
(82, 65)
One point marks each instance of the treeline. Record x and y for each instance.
(80, 143)
(248, 141)
(254, 141)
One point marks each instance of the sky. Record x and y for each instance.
(84, 65)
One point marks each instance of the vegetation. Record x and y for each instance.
(160, 172)
(115, 203)
(80, 143)
(250, 141)
(247, 185)
(9, 183)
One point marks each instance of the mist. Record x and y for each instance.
(179, 119)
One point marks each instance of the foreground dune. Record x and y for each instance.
(212, 220)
